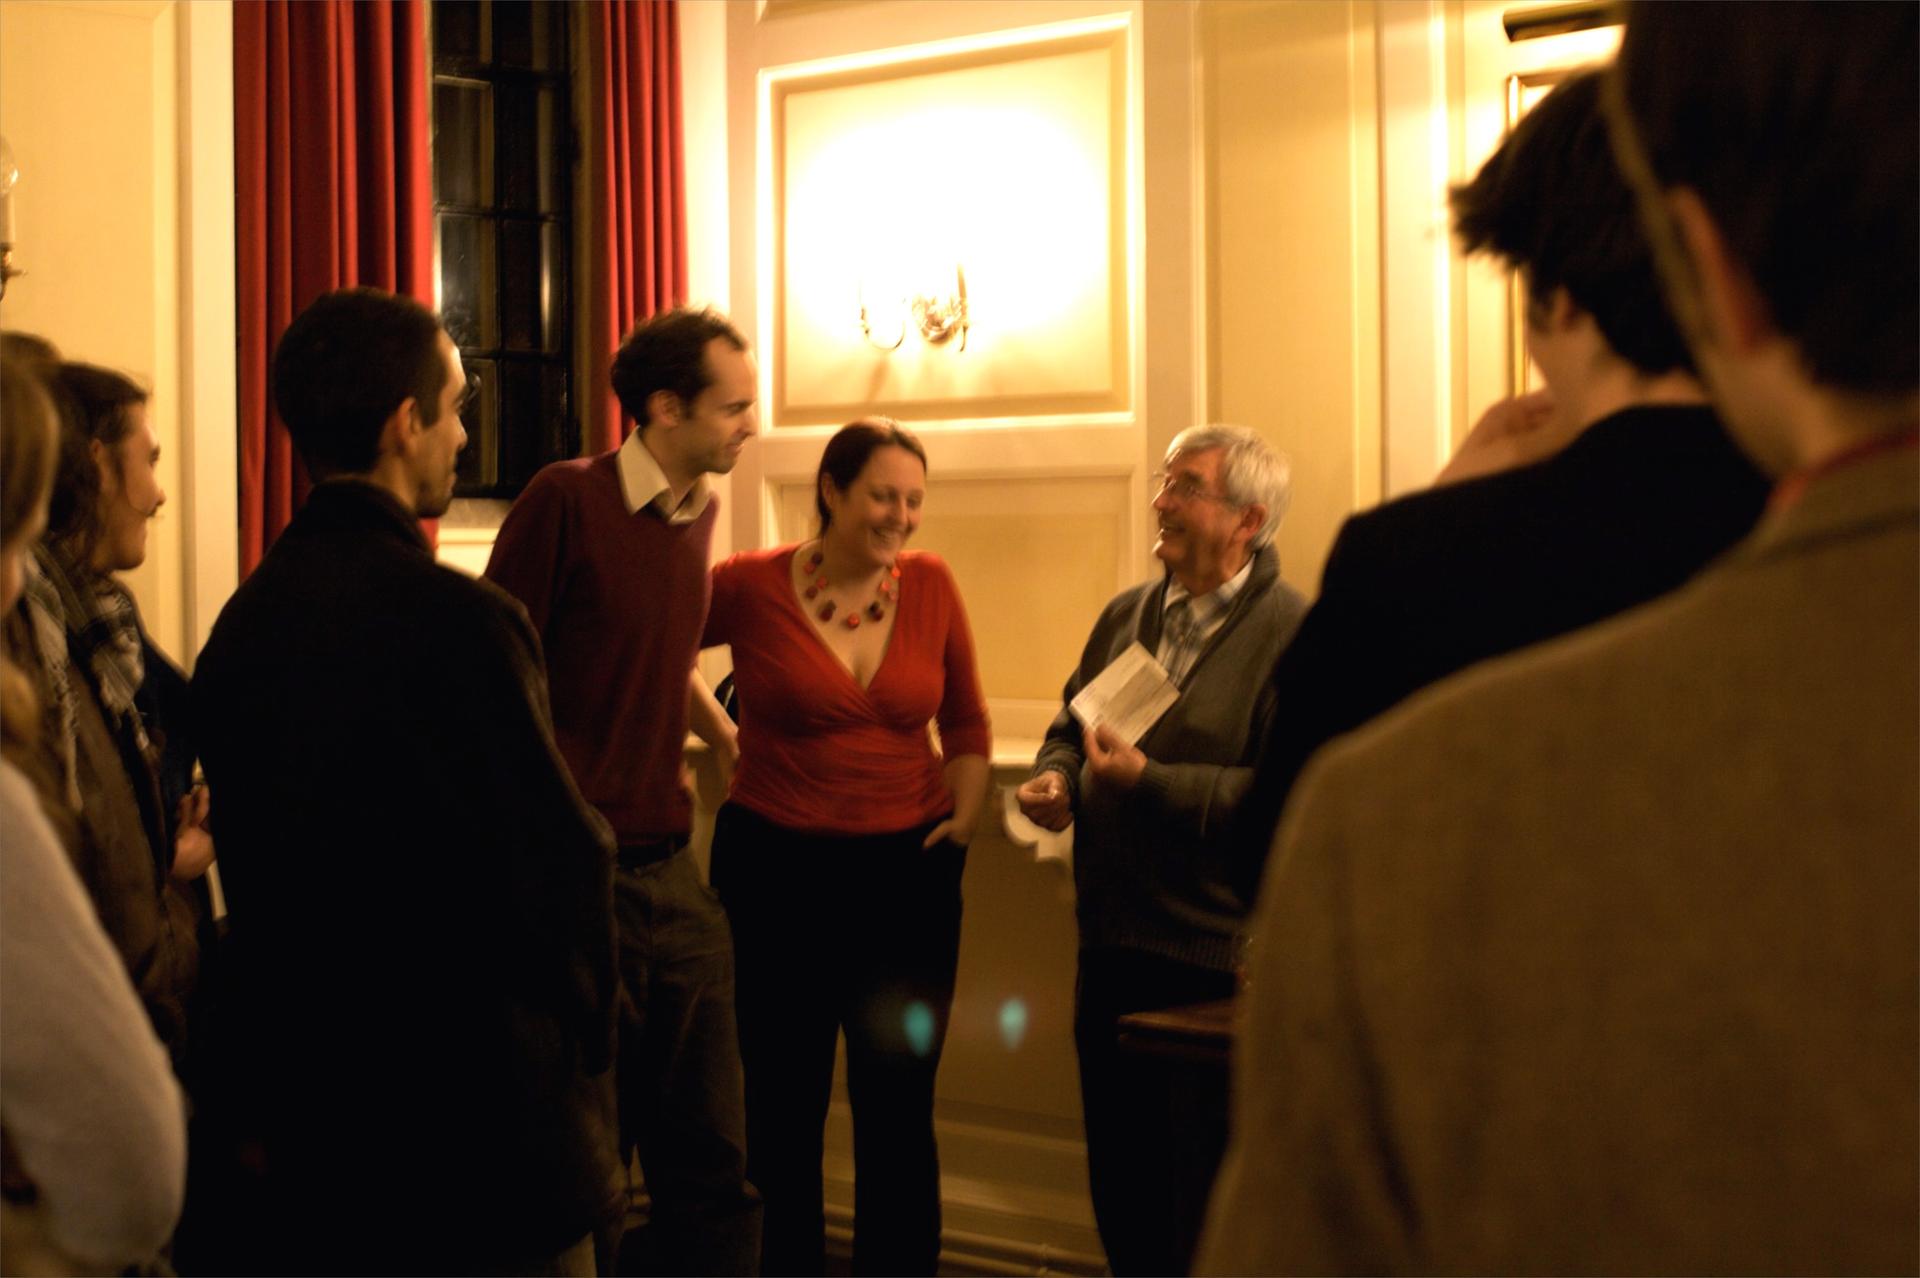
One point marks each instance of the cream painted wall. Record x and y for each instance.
(1293, 252)
(120, 116)
(1483, 315)
(1342, 321)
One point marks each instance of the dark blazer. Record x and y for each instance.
(1151, 862)
(1438, 580)
(421, 929)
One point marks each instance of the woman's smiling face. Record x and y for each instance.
(877, 513)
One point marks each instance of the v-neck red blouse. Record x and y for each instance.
(817, 751)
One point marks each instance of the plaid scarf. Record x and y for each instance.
(89, 618)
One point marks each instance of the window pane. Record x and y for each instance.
(515, 126)
(554, 275)
(456, 31)
(556, 403)
(513, 33)
(468, 301)
(550, 37)
(462, 142)
(531, 36)
(533, 413)
(521, 280)
(552, 162)
(479, 465)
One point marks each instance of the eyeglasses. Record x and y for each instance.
(1185, 488)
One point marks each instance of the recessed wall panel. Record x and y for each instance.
(993, 177)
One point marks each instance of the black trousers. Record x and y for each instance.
(679, 1072)
(1152, 1146)
(841, 934)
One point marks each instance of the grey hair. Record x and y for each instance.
(1251, 472)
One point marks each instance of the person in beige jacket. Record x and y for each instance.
(1604, 957)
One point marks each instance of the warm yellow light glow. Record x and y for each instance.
(1006, 168)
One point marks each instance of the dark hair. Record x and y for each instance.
(1796, 125)
(94, 406)
(29, 437)
(31, 350)
(668, 352)
(344, 365)
(1552, 204)
(848, 452)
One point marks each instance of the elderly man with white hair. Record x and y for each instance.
(1154, 821)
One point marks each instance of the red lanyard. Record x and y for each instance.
(1793, 486)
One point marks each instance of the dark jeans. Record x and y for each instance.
(1149, 1197)
(681, 1099)
(853, 934)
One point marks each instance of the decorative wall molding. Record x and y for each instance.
(987, 177)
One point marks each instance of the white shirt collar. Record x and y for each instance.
(1222, 595)
(643, 483)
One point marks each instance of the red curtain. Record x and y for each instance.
(639, 200)
(334, 186)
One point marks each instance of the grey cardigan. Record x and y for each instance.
(1151, 863)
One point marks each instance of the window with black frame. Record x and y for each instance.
(503, 230)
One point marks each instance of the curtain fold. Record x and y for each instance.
(333, 187)
(639, 246)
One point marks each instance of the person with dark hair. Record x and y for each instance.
(92, 1125)
(117, 732)
(1644, 489)
(338, 423)
(839, 852)
(610, 554)
(1604, 957)
(421, 927)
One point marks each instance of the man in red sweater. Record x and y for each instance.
(609, 554)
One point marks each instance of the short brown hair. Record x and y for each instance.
(668, 352)
(1796, 125)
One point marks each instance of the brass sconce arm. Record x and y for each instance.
(936, 318)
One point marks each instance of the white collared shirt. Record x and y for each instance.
(643, 483)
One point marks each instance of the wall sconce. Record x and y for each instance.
(9, 176)
(936, 318)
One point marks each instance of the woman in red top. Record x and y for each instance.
(839, 853)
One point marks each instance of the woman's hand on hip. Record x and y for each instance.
(948, 831)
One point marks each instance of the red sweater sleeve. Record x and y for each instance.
(529, 550)
(964, 728)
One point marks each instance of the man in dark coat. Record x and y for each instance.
(420, 900)
(1649, 489)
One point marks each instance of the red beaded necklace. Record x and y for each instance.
(889, 584)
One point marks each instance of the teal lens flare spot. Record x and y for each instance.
(919, 1026)
(1013, 1023)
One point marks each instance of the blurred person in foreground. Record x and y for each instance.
(1604, 957)
(421, 920)
(1645, 487)
(92, 1124)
